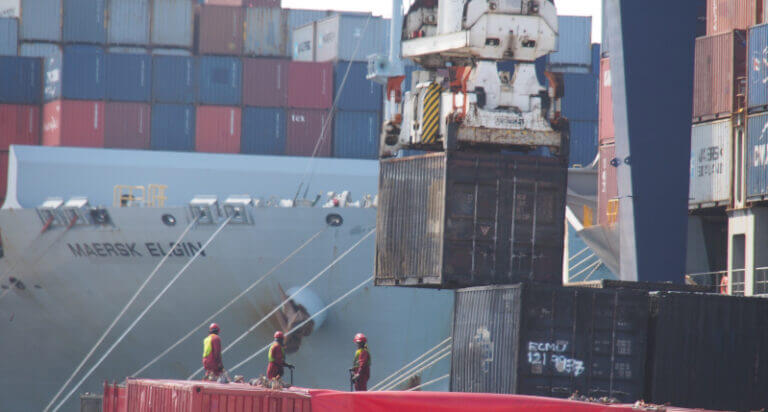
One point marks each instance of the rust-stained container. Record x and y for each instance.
(19, 124)
(220, 30)
(304, 129)
(708, 351)
(197, 396)
(551, 341)
(310, 85)
(265, 31)
(470, 219)
(606, 132)
(265, 82)
(218, 129)
(607, 187)
(711, 171)
(77, 123)
(727, 15)
(719, 64)
(127, 125)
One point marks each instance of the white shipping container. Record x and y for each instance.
(304, 43)
(10, 8)
(711, 160)
(350, 38)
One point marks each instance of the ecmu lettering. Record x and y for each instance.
(134, 249)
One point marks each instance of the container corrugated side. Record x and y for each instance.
(757, 68)
(220, 80)
(9, 36)
(606, 130)
(310, 85)
(350, 37)
(727, 15)
(297, 18)
(574, 42)
(303, 43)
(3, 174)
(172, 23)
(127, 125)
(220, 30)
(173, 127)
(265, 31)
(583, 142)
(719, 62)
(708, 351)
(21, 80)
(265, 82)
(580, 101)
(261, 3)
(711, 170)
(128, 22)
(19, 124)
(129, 77)
(10, 8)
(352, 90)
(607, 186)
(550, 341)
(356, 134)
(174, 79)
(41, 20)
(83, 73)
(51, 55)
(757, 157)
(169, 51)
(84, 21)
(263, 131)
(77, 123)
(218, 129)
(308, 132)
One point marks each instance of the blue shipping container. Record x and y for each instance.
(263, 131)
(51, 57)
(20, 80)
(358, 93)
(757, 157)
(574, 42)
(174, 79)
(356, 135)
(41, 20)
(172, 23)
(81, 73)
(220, 80)
(173, 127)
(581, 95)
(583, 142)
(757, 66)
(9, 36)
(129, 77)
(84, 21)
(596, 59)
(128, 22)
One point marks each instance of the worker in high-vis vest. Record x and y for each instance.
(361, 366)
(212, 363)
(276, 356)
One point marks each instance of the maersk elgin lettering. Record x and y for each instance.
(134, 249)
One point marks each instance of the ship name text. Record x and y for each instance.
(134, 249)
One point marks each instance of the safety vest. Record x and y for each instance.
(724, 285)
(207, 347)
(357, 357)
(269, 354)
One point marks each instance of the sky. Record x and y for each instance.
(384, 8)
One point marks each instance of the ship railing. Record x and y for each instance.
(760, 286)
(715, 278)
(137, 195)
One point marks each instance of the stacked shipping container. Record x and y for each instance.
(607, 187)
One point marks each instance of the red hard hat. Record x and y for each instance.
(213, 327)
(279, 335)
(360, 338)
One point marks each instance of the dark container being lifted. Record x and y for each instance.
(548, 340)
(469, 219)
(708, 351)
(646, 286)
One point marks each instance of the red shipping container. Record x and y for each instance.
(73, 123)
(310, 85)
(724, 16)
(607, 187)
(19, 124)
(304, 130)
(719, 62)
(606, 130)
(218, 129)
(265, 82)
(198, 396)
(127, 125)
(220, 30)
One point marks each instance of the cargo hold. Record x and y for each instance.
(711, 171)
(476, 219)
(550, 341)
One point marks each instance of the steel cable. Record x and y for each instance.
(230, 303)
(289, 298)
(409, 364)
(416, 371)
(144, 312)
(446, 376)
(120, 315)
